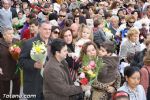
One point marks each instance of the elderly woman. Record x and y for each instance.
(8, 66)
(131, 44)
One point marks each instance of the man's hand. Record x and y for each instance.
(38, 65)
(111, 89)
(1, 71)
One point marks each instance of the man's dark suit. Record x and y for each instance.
(32, 79)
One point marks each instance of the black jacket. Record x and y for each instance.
(33, 80)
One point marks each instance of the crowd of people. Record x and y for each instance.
(115, 32)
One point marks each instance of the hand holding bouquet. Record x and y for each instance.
(15, 51)
(39, 53)
(89, 71)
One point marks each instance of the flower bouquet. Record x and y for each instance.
(15, 51)
(39, 52)
(89, 71)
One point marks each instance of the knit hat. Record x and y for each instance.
(109, 70)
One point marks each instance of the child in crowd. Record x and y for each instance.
(85, 35)
(108, 79)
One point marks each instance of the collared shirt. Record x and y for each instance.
(137, 94)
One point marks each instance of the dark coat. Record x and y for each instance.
(57, 84)
(14, 12)
(99, 36)
(138, 59)
(7, 63)
(33, 80)
(72, 64)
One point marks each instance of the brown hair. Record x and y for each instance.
(65, 30)
(84, 49)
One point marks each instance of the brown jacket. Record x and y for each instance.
(7, 63)
(57, 84)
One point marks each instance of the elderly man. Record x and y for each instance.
(33, 81)
(6, 15)
(114, 24)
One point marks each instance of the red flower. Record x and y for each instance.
(84, 81)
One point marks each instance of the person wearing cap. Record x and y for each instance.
(120, 95)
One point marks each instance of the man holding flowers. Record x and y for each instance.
(57, 83)
(8, 68)
(33, 81)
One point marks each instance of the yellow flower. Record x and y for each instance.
(93, 75)
(90, 72)
(38, 49)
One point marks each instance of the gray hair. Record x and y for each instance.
(114, 17)
(6, 1)
(5, 30)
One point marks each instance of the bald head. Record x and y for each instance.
(74, 27)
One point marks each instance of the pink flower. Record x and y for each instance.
(92, 64)
(82, 75)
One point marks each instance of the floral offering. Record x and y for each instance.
(39, 51)
(89, 71)
(15, 51)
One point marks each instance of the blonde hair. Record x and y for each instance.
(132, 31)
(80, 30)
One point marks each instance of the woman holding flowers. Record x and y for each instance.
(90, 65)
(8, 66)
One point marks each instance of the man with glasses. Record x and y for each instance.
(61, 18)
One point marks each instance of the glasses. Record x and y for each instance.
(131, 21)
(56, 32)
(62, 16)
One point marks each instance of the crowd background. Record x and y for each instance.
(115, 30)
